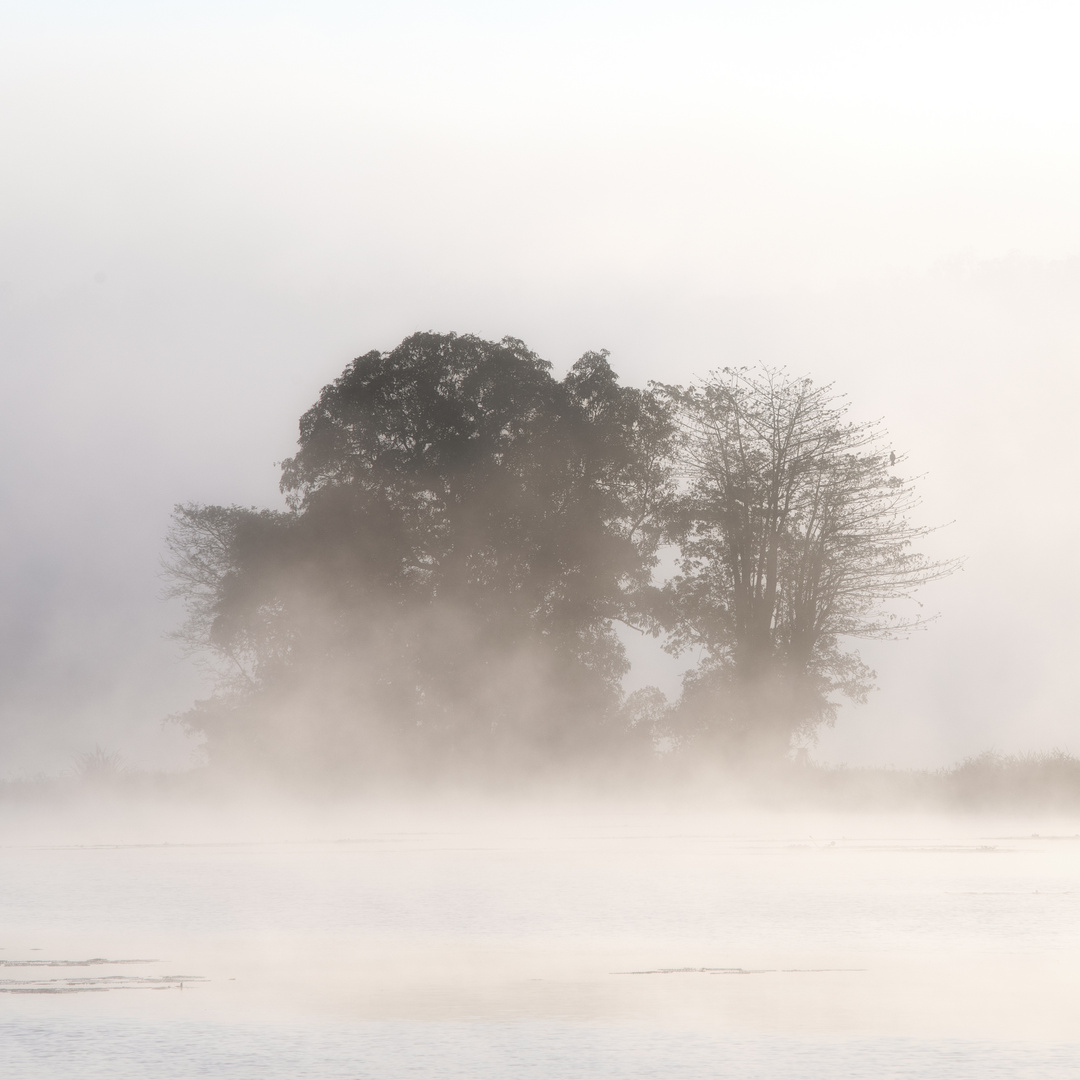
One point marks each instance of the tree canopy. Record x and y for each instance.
(463, 533)
(795, 540)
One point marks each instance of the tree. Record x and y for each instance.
(794, 539)
(462, 532)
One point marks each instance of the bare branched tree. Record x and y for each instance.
(209, 567)
(795, 537)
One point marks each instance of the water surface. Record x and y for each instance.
(589, 942)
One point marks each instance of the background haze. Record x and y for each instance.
(207, 210)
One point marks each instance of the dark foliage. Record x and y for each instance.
(462, 532)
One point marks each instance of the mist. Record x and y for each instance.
(207, 213)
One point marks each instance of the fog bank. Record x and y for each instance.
(206, 214)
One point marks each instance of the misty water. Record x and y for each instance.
(630, 940)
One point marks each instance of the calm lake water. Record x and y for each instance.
(482, 942)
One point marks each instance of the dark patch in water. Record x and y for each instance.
(98, 985)
(92, 983)
(70, 963)
(729, 971)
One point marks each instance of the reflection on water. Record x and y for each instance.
(583, 944)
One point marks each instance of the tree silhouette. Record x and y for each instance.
(794, 538)
(462, 532)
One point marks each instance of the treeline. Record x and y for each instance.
(464, 532)
(991, 782)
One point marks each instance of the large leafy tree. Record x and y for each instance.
(463, 530)
(795, 540)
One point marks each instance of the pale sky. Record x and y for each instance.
(206, 210)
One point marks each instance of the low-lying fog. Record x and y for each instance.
(555, 939)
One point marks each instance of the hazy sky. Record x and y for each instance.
(206, 210)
